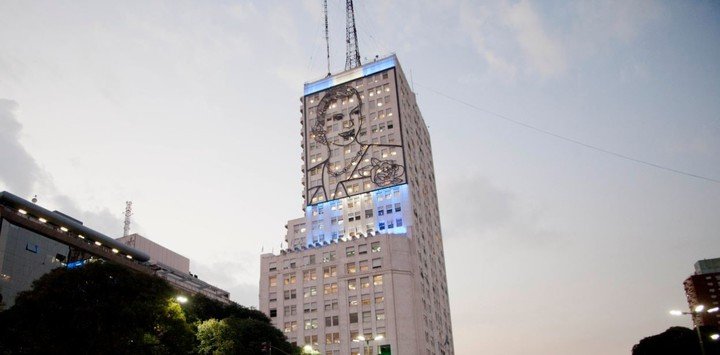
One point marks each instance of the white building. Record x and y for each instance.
(366, 260)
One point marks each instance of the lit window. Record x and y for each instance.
(375, 247)
(352, 285)
(273, 281)
(364, 266)
(380, 315)
(365, 282)
(377, 280)
(330, 288)
(329, 271)
(349, 251)
(350, 268)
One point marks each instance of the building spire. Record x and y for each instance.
(352, 55)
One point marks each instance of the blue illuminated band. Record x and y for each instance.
(344, 77)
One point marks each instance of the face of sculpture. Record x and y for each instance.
(339, 119)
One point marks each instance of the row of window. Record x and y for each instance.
(330, 271)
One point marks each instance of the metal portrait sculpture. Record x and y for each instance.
(339, 124)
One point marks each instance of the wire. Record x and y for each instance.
(571, 140)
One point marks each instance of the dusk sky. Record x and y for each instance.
(577, 144)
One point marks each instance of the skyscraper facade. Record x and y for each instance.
(364, 268)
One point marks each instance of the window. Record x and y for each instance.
(328, 257)
(377, 280)
(389, 124)
(309, 275)
(309, 291)
(273, 266)
(379, 299)
(364, 266)
(290, 310)
(397, 207)
(311, 340)
(381, 225)
(353, 318)
(368, 213)
(366, 316)
(331, 321)
(290, 327)
(311, 307)
(311, 323)
(381, 212)
(389, 209)
(309, 259)
(290, 294)
(377, 263)
(365, 300)
(329, 271)
(331, 305)
(350, 268)
(375, 247)
(289, 279)
(365, 282)
(352, 301)
(273, 296)
(352, 284)
(332, 338)
(273, 281)
(398, 222)
(350, 251)
(380, 315)
(362, 249)
(273, 312)
(330, 288)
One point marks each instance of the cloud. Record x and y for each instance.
(23, 176)
(543, 53)
(20, 172)
(472, 208)
(238, 276)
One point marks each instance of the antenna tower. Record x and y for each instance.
(327, 35)
(352, 55)
(128, 213)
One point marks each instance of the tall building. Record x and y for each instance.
(702, 288)
(364, 270)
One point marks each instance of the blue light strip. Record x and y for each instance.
(344, 77)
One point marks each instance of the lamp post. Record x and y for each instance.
(366, 346)
(699, 309)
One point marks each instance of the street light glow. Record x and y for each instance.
(379, 337)
(675, 312)
(713, 310)
(181, 299)
(715, 336)
(360, 338)
(699, 308)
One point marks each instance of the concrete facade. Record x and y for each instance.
(367, 258)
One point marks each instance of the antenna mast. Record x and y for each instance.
(352, 55)
(128, 213)
(327, 35)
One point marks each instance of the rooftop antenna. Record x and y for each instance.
(128, 213)
(352, 55)
(327, 36)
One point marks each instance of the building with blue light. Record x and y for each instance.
(364, 270)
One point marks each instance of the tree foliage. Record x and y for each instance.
(103, 308)
(675, 340)
(100, 308)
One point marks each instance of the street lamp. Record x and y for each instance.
(181, 299)
(308, 349)
(696, 312)
(361, 338)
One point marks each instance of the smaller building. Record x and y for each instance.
(35, 240)
(702, 289)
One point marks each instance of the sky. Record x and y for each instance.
(576, 144)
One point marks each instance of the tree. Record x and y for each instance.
(100, 308)
(674, 341)
(240, 336)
